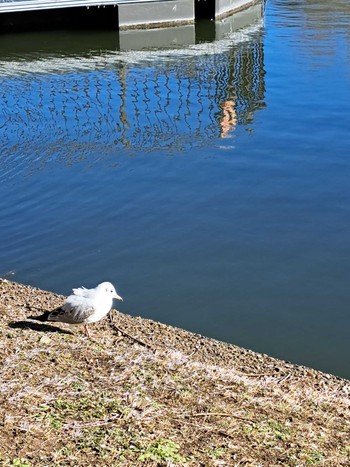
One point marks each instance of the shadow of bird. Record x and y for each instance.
(37, 327)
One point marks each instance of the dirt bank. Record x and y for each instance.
(154, 395)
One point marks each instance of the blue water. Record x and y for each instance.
(209, 182)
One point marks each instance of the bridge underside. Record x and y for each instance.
(126, 14)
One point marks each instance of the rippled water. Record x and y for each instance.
(209, 181)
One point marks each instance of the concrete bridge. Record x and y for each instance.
(122, 14)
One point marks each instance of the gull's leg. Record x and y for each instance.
(86, 329)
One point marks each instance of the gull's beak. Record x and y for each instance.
(117, 297)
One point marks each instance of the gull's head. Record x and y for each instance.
(108, 289)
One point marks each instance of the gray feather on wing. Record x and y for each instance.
(76, 310)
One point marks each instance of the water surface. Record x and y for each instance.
(208, 180)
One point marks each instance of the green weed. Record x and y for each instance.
(163, 450)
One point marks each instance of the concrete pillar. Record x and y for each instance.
(226, 7)
(155, 14)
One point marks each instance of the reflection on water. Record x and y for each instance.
(207, 177)
(172, 102)
(319, 27)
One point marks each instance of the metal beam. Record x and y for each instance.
(34, 5)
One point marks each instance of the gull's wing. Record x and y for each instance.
(82, 291)
(75, 310)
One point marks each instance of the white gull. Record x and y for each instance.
(84, 306)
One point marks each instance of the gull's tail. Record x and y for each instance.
(53, 315)
(42, 318)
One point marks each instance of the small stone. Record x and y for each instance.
(44, 340)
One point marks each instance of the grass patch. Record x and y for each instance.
(163, 450)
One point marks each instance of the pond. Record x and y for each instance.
(206, 174)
